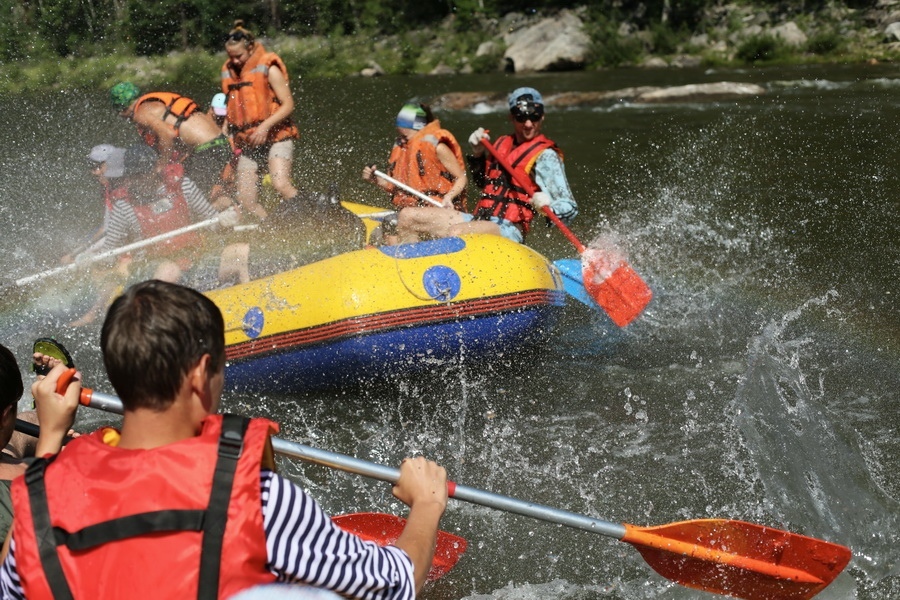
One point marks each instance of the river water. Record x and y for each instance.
(761, 383)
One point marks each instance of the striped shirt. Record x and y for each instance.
(122, 222)
(303, 546)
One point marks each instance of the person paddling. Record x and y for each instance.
(427, 158)
(190, 494)
(178, 130)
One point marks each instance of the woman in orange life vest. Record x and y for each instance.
(178, 130)
(427, 158)
(258, 116)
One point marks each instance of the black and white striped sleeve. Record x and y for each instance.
(122, 225)
(305, 546)
(196, 199)
(10, 584)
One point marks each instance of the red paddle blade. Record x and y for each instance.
(739, 559)
(384, 529)
(616, 287)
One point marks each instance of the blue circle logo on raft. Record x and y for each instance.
(253, 322)
(441, 283)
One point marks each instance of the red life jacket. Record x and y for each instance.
(181, 107)
(416, 164)
(182, 520)
(167, 213)
(501, 197)
(113, 193)
(251, 100)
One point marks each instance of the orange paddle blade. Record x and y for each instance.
(384, 529)
(621, 293)
(739, 559)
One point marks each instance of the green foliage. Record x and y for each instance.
(762, 48)
(825, 43)
(665, 39)
(609, 49)
(161, 42)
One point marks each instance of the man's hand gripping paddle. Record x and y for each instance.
(722, 556)
(609, 280)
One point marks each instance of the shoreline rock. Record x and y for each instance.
(702, 92)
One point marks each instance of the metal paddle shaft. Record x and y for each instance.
(117, 251)
(406, 188)
(616, 287)
(723, 556)
(390, 475)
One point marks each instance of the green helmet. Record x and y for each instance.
(123, 94)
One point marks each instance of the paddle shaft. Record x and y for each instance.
(524, 181)
(372, 470)
(117, 251)
(406, 188)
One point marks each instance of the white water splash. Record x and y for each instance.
(806, 456)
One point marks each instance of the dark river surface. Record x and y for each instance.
(760, 384)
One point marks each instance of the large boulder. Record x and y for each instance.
(552, 44)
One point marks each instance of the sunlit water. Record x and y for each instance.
(760, 384)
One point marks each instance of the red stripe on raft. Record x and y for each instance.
(392, 320)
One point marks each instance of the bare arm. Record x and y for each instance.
(147, 117)
(56, 412)
(423, 487)
(448, 159)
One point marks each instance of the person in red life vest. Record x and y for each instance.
(178, 130)
(427, 158)
(259, 106)
(503, 207)
(183, 502)
(107, 164)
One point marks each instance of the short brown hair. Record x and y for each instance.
(154, 333)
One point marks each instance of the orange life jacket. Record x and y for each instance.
(250, 98)
(501, 197)
(415, 162)
(182, 520)
(181, 107)
(167, 213)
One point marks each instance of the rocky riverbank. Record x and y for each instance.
(732, 34)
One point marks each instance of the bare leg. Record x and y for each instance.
(280, 170)
(424, 222)
(488, 227)
(234, 263)
(168, 271)
(247, 189)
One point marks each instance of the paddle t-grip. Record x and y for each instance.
(63, 384)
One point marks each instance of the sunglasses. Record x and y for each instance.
(236, 36)
(527, 112)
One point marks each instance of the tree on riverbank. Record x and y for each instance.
(166, 42)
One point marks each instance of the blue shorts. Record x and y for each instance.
(507, 228)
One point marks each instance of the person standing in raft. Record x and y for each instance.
(427, 158)
(189, 493)
(179, 131)
(503, 207)
(259, 106)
